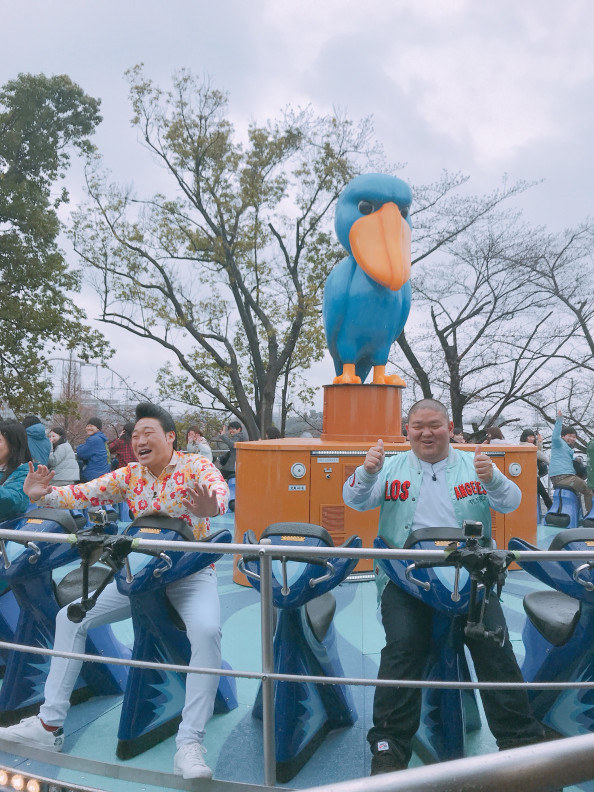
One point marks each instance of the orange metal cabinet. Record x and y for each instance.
(298, 479)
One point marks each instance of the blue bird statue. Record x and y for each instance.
(367, 295)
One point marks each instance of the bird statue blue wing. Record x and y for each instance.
(367, 296)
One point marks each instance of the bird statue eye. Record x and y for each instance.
(404, 212)
(365, 207)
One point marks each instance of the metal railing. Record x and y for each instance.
(426, 777)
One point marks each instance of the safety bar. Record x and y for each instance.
(265, 551)
(297, 552)
(534, 768)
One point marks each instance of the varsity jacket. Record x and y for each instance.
(397, 486)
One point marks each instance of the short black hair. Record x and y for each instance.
(150, 410)
(95, 422)
(429, 404)
(526, 434)
(273, 433)
(18, 447)
(565, 430)
(234, 425)
(30, 420)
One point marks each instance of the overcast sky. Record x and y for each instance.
(485, 88)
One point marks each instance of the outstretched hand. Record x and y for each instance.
(38, 482)
(201, 501)
(374, 460)
(482, 465)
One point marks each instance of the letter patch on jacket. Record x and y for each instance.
(397, 490)
(469, 488)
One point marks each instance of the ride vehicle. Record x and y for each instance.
(154, 698)
(558, 633)
(28, 569)
(304, 641)
(457, 588)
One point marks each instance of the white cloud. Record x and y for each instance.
(496, 91)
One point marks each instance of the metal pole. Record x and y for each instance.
(536, 768)
(268, 722)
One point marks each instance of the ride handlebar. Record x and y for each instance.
(115, 552)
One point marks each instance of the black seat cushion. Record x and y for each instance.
(70, 587)
(553, 613)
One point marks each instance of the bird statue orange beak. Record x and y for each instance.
(380, 243)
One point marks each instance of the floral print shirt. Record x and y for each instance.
(145, 493)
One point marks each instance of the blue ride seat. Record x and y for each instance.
(304, 642)
(566, 511)
(34, 600)
(154, 699)
(588, 521)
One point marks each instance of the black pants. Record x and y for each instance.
(396, 711)
(543, 492)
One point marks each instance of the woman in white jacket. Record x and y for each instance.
(62, 459)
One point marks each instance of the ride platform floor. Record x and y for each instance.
(234, 740)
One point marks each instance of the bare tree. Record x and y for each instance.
(479, 337)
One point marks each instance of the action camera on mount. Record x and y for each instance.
(472, 529)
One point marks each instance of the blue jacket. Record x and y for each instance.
(39, 444)
(561, 463)
(13, 500)
(93, 454)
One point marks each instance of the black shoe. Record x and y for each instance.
(386, 758)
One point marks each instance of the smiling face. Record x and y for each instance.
(54, 437)
(570, 439)
(91, 429)
(152, 446)
(429, 434)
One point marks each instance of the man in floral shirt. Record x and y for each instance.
(162, 481)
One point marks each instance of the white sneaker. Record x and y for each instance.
(30, 731)
(189, 761)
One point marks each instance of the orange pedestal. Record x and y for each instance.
(301, 479)
(363, 413)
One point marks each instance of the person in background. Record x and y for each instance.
(93, 452)
(14, 459)
(196, 443)
(62, 460)
(495, 436)
(272, 433)
(162, 481)
(39, 445)
(457, 435)
(229, 437)
(121, 448)
(561, 469)
(529, 437)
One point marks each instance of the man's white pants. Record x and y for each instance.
(196, 600)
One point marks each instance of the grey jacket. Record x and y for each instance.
(240, 437)
(63, 462)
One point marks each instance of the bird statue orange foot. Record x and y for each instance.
(381, 378)
(348, 376)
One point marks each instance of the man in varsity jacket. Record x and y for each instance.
(432, 485)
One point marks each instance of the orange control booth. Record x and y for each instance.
(301, 479)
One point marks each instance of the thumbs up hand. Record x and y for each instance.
(482, 465)
(374, 460)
